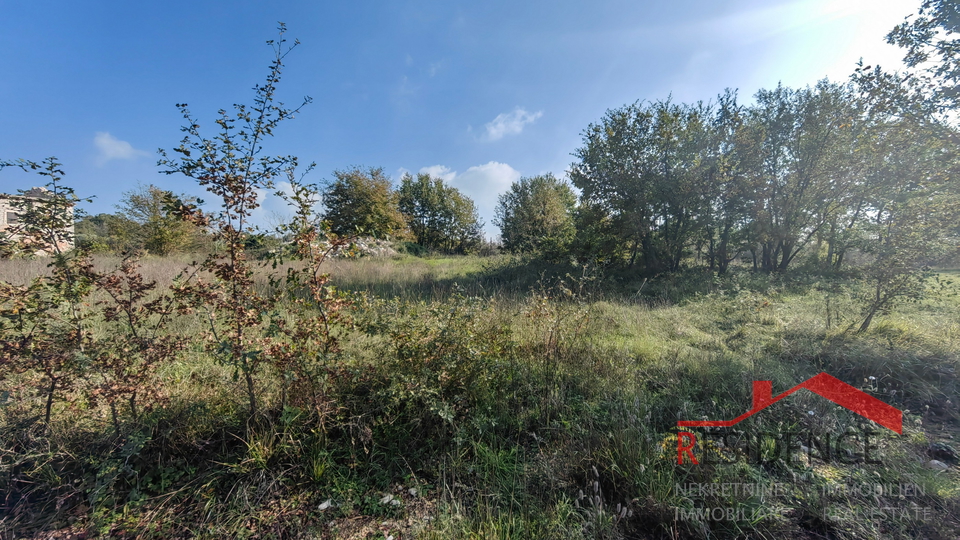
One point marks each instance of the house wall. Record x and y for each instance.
(7, 208)
(4, 209)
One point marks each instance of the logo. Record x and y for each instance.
(822, 384)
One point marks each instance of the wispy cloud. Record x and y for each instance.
(404, 94)
(111, 148)
(435, 67)
(510, 123)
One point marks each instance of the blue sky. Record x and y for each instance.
(480, 93)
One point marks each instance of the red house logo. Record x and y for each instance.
(825, 385)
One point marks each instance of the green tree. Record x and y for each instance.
(536, 215)
(359, 200)
(106, 233)
(441, 218)
(616, 185)
(642, 174)
(728, 159)
(914, 203)
(913, 206)
(932, 44)
(803, 167)
(909, 236)
(156, 228)
(683, 176)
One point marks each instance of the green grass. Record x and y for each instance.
(515, 401)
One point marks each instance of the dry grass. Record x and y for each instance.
(162, 270)
(21, 271)
(564, 389)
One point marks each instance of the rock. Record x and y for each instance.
(943, 452)
(937, 465)
(389, 499)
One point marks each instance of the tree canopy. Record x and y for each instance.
(147, 219)
(158, 229)
(665, 184)
(536, 215)
(932, 49)
(363, 201)
(440, 216)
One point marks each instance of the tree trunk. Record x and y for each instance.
(839, 261)
(831, 243)
(766, 264)
(633, 253)
(867, 321)
(49, 406)
(878, 301)
(650, 260)
(786, 256)
(712, 252)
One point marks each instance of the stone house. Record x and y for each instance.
(11, 223)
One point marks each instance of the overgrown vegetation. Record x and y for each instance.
(508, 397)
(440, 217)
(146, 221)
(443, 413)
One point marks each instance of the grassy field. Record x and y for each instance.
(499, 398)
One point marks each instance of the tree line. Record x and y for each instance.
(823, 169)
(867, 167)
(814, 174)
(425, 211)
(828, 170)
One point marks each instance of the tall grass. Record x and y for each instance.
(477, 398)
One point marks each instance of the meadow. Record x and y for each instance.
(495, 397)
(267, 388)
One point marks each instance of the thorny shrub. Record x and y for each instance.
(45, 333)
(448, 367)
(304, 336)
(233, 168)
(127, 365)
(97, 338)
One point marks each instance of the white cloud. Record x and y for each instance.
(439, 171)
(485, 183)
(482, 183)
(510, 123)
(111, 148)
